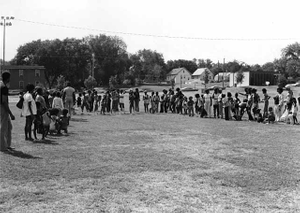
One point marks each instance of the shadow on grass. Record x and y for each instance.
(21, 154)
(46, 141)
(78, 120)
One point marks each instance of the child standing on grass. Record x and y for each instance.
(221, 108)
(190, 105)
(197, 102)
(78, 101)
(115, 101)
(97, 103)
(266, 102)
(85, 103)
(172, 102)
(103, 104)
(121, 100)
(131, 101)
(215, 103)
(227, 102)
(292, 112)
(184, 105)
(156, 100)
(146, 100)
(256, 100)
(279, 102)
(235, 107)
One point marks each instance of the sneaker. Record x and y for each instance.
(11, 148)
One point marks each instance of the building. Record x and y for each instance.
(21, 75)
(179, 75)
(219, 76)
(254, 78)
(200, 74)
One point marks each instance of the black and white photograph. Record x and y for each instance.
(149, 106)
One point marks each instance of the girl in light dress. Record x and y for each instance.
(207, 103)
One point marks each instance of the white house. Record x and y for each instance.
(179, 75)
(200, 74)
(219, 76)
(258, 78)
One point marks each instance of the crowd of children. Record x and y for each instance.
(208, 105)
(49, 116)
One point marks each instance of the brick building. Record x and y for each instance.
(21, 75)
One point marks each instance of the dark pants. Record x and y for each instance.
(28, 126)
(226, 109)
(136, 105)
(248, 109)
(131, 106)
(216, 111)
(108, 107)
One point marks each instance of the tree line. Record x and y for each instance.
(107, 60)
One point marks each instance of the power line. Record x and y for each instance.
(159, 36)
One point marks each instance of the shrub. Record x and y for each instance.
(282, 81)
(90, 82)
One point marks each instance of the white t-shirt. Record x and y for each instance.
(28, 99)
(121, 98)
(57, 103)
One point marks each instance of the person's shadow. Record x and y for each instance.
(21, 154)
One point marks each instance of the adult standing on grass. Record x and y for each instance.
(137, 100)
(207, 103)
(69, 97)
(29, 111)
(6, 115)
(279, 103)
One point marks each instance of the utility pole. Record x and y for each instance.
(5, 23)
(218, 70)
(93, 65)
(224, 70)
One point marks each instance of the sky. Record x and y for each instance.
(250, 31)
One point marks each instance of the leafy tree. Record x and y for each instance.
(111, 56)
(61, 82)
(113, 81)
(239, 77)
(206, 77)
(282, 81)
(256, 68)
(68, 57)
(148, 64)
(293, 68)
(205, 63)
(268, 67)
(233, 66)
(280, 65)
(189, 65)
(90, 82)
(292, 51)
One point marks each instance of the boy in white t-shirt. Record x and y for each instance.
(121, 100)
(29, 111)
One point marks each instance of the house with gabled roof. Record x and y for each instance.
(201, 72)
(179, 76)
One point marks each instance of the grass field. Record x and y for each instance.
(153, 163)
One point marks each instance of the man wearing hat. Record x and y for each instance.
(6, 115)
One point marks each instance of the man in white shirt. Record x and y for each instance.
(29, 111)
(69, 97)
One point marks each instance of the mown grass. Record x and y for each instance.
(154, 163)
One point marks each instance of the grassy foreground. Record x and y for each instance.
(154, 163)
